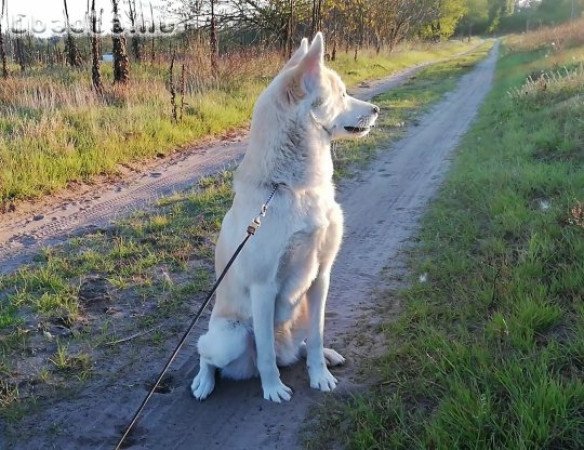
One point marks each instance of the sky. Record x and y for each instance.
(44, 16)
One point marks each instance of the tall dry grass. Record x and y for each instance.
(555, 38)
(54, 129)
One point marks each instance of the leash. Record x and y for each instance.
(251, 229)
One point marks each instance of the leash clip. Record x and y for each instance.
(255, 224)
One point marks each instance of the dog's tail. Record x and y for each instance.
(229, 346)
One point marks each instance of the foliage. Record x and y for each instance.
(377, 23)
(505, 16)
(448, 14)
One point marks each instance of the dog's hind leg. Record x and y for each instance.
(291, 335)
(332, 357)
(244, 366)
(226, 342)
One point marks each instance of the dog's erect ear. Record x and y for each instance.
(317, 46)
(306, 75)
(298, 54)
(313, 62)
(314, 58)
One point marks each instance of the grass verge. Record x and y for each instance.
(488, 351)
(54, 130)
(120, 289)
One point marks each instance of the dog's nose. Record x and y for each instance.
(375, 109)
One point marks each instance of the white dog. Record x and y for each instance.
(270, 308)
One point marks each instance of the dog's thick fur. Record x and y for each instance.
(270, 307)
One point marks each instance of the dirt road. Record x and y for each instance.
(382, 211)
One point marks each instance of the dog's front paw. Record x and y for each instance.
(333, 358)
(277, 391)
(322, 379)
(202, 385)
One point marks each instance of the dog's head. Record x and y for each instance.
(314, 92)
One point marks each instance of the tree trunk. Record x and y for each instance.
(315, 24)
(172, 89)
(136, 44)
(137, 48)
(361, 30)
(19, 53)
(2, 49)
(334, 49)
(71, 50)
(289, 30)
(95, 53)
(3, 53)
(121, 63)
(213, 39)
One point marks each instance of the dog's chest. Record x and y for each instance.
(311, 220)
(299, 263)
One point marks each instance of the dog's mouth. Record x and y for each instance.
(357, 130)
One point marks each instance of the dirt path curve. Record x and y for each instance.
(23, 234)
(382, 208)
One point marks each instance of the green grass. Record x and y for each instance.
(154, 269)
(154, 265)
(64, 361)
(488, 351)
(55, 131)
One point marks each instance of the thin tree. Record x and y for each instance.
(213, 38)
(95, 53)
(2, 50)
(289, 29)
(121, 63)
(172, 89)
(361, 26)
(334, 34)
(20, 53)
(152, 30)
(183, 90)
(71, 50)
(316, 22)
(136, 44)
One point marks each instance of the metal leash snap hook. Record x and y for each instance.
(254, 225)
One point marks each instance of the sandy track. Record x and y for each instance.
(382, 208)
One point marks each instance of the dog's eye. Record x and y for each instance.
(344, 94)
(317, 103)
